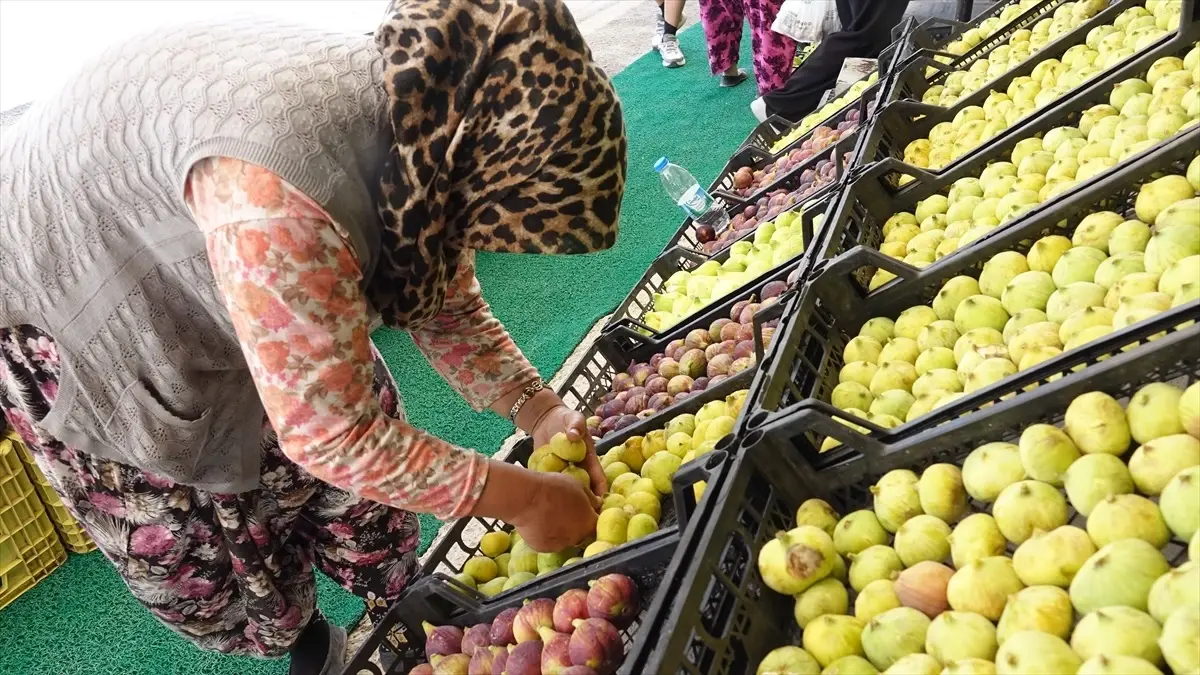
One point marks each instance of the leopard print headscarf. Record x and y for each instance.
(508, 138)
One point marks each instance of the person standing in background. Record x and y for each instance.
(773, 52)
(668, 23)
(866, 32)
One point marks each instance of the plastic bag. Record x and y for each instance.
(806, 20)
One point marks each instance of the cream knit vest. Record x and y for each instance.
(98, 249)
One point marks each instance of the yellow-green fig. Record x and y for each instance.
(893, 635)
(796, 559)
(983, 587)
(1097, 424)
(1179, 503)
(1046, 609)
(1120, 573)
(976, 537)
(954, 636)
(1034, 653)
(1156, 462)
(1117, 631)
(875, 598)
(827, 596)
(1180, 640)
(941, 492)
(831, 637)
(1178, 588)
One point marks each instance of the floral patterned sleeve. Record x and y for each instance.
(469, 347)
(292, 287)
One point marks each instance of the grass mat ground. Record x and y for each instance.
(82, 620)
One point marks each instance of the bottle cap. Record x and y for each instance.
(660, 164)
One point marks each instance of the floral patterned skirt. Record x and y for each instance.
(231, 572)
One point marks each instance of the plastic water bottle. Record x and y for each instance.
(687, 193)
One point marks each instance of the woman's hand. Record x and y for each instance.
(562, 419)
(558, 515)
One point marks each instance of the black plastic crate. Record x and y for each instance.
(902, 120)
(725, 619)
(866, 203)
(439, 600)
(687, 236)
(801, 366)
(640, 299)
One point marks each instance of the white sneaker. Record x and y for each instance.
(672, 55)
(660, 27)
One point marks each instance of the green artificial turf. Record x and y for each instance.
(81, 620)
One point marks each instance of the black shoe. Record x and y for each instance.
(733, 80)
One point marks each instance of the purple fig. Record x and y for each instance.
(712, 350)
(484, 659)
(656, 385)
(622, 381)
(672, 346)
(736, 312)
(556, 651)
(614, 598)
(452, 664)
(744, 349)
(679, 384)
(774, 289)
(570, 606)
(714, 329)
(533, 615)
(700, 384)
(747, 316)
(636, 404)
(728, 346)
(678, 353)
(693, 363)
(622, 396)
(746, 332)
(525, 659)
(423, 669)
(705, 233)
(499, 660)
(641, 373)
(719, 365)
(441, 640)
(596, 643)
(730, 330)
(681, 397)
(717, 379)
(654, 360)
(697, 339)
(609, 425)
(668, 367)
(608, 397)
(476, 637)
(593, 424)
(610, 409)
(740, 365)
(625, 421)
(659, 401)
(502, 628)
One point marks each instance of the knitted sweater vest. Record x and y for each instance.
(98, 248)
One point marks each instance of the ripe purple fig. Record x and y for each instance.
(714, 329)
(740, 365)
(747, 316)
(622, 396)
(625, 421)
(700, 384)
(678, 354)
(705, 233)
(744, 349)
(524, 659)
(441, 640)
(774, 289)
(668, 367)
(608, 397)
(656, 385)
(613, 408)
(614, 598)
(570, 606)
(712, 350)
(476, 637)
(672, 346)
(423, 669)
(596, 643)
(746, 332)
(556, 654)
(654, 361)
(641, 372)
(717, 379)
(735, 313)
(622, 381)
(719, 365)
(533, 615)
(730, 330)
(697, 339)
(593, 424)
(502, 628)
(609, 425)
(636, 404)
(750, 211)
(678, 385)
(484, 660)
(693, 363)
(452, 664)
(500, 660)
(659, 401)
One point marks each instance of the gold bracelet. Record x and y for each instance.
(529, 393)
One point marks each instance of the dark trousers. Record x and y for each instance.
(866, 31)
